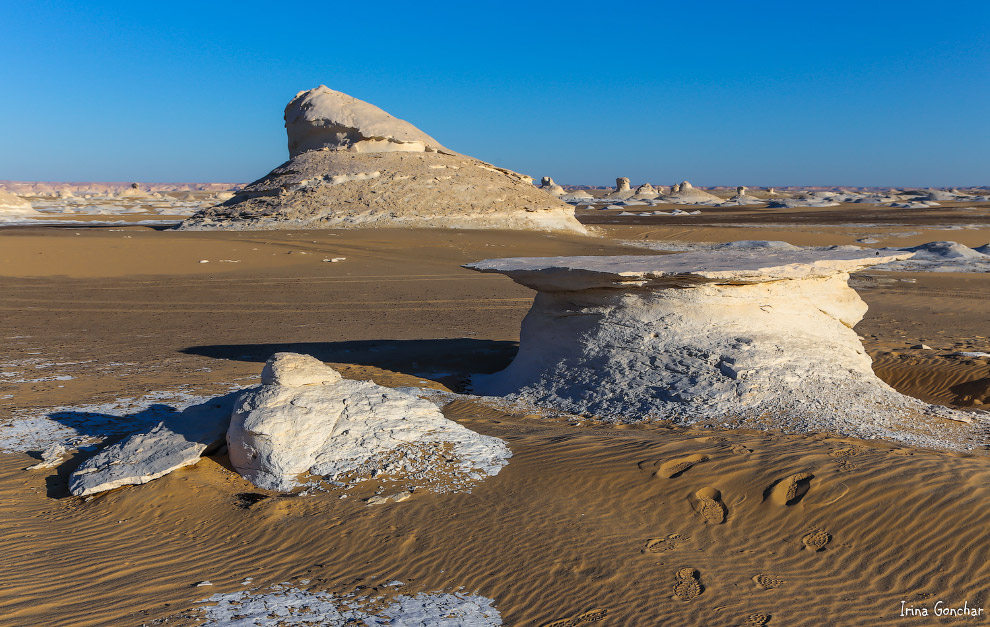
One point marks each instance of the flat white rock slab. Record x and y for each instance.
(148, 455)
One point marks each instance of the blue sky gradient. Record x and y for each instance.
(719, 93)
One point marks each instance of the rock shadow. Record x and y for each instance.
(424, 358)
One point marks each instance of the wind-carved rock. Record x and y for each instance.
(753, 336)
(622, 184)
(686, 194)
(352, 165)
(13, 205)
(305, 419)
(646, 191)
(547, 184)
(324, 118)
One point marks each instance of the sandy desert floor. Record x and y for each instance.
(579, 527)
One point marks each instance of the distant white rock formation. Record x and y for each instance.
(353, 165)
(684, 193)
(622, 191)
(548, 185)
(577, 196)
(324, 118)
(306, 420)
(134, 191)
(745, 336)
(645, 192)
(742, 198)
(12, 205)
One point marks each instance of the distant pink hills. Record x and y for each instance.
(48, 187)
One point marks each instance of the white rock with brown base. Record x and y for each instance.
(305, 420)
(753, 338)
(353, 165)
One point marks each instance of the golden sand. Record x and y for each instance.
(630, 525)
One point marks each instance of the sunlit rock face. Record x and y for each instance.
(742, 334)
(306, 420)
(352, 165)
(324, 118)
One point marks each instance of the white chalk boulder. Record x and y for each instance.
(757, 337)
(305, 420)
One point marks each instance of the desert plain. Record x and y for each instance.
(580, 526)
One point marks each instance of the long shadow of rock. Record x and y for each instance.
(199, 426)
(426, 358)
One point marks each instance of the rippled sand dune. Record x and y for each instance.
(619, 525)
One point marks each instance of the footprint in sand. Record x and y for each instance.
(767, 581)
(676, 467)
(688, 585)
(757, 620)
(590, 616)
(661, 545)
(790, 490)
(816, 540)
(710, 506)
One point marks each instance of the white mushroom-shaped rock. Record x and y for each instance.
(740, 334)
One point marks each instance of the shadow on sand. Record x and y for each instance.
(424, 358)
(202, 422)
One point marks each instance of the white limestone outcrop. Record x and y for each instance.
(684, 193)
(646, 192)
(305, 420)
(353, 165)
(745, 337)
(548, 185)
(13, 205)
(324, 118)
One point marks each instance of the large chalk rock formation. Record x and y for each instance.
(354, 165)
(684, 193)
(762, 338)
(13, 205)
(548, 185)
(306, 420)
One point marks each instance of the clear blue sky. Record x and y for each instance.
(757, 93)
